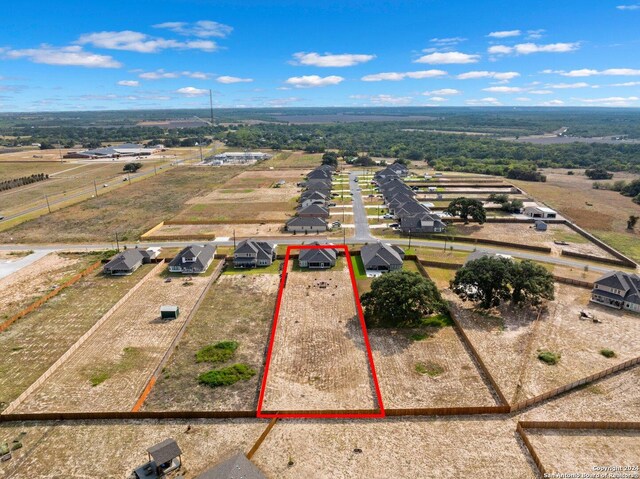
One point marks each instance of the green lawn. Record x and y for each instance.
(358, 267)
(296, 266)
(273, 268)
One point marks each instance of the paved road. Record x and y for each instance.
(8, 267)
(362, 233)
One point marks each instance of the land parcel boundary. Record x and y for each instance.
(314, 335)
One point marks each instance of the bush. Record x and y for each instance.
(429, 368)
(440, 320)
(608, 353)
(226, 376)
(217, 353)
(549, 357)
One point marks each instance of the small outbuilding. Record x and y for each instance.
(535, 211)
(541, 226)
(169, 312)
(164, 458)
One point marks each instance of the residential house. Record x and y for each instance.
(313, 211)
(319, 174)
(129, 260)
(299, 224)
(251, 253)
(423, 223)
(535, 211)
(618, 290)
(317, 258)
(410, 208)
(194, 259)
(381, 257)
(399, 169)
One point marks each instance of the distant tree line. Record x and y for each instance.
(24, 180)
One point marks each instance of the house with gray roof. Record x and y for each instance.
(410, 208)
(300, 224)
(164, 458)
(313, 211)
(317, 258)
(194, 259)
(399, 169)
(252, 253)
(319, 174)
(422, 223)
(381, 257)
(129, 260)
(236, 467)
(618, 290)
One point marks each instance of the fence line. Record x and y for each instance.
(465, 239)
(628, 262)
(62, 359)
(574, 282)
(165, 358)
(152, 230)
(36, 304)
(597, 259)
(448, 411)
(262, 437)
(532, 452)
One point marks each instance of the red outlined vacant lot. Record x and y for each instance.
(319, 362)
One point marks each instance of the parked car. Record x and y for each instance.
(387, 216)
(332, 204)
(394, 225)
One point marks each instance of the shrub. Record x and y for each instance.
(440, 320)
(217, 353)
(549, 357)
(420, 336)
(226, 376)
(429, 368)
(608, 353)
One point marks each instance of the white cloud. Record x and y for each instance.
(201, 28)
(503, 89)
(141, 42)
(529, 48)
(129, 83)
(438, 98)
(390, 100)
(488, 101)
(190, 91)
(629, 83)
(535, 34)
(228, 79)
(280, 102)
(610, 101)
(312, 81)
(540, 92)
(505, 34)
(635, 6)
(444, 42)
(445, 58)
(330, 60)
(443, 92)
(502, 76)
(588, 72)
(561, 86)
(67, 56)
(161, 74)
(397, 76)
(523, 99)
(552, 103)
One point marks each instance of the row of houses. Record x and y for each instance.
(314, 203)
(400, 199)
(194, 259)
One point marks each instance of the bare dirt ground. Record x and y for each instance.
(244, 230)
(121, 355)
(237, 308)
(396, 357)
(23, 287)
(112, 449)
(527, 235)
(509, 341)
(460, 447)
(36, 341)
(319, 360)
(579, 451)
(239, 211)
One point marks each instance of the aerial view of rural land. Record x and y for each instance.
(379, 239)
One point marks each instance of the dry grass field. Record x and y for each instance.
(234, 211)
(296, 159)
(112, 449)
(9, 169)
(238, 308)
(603, 213)
(23, 287)
(109, 371)
(129, 210)
(460, 447)
(32, 155)
(224, 230)
(36, 341)
(319, 359)
(433, 372)
(580, 451)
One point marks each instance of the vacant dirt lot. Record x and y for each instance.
(223, 230)
(319, 359)
(602, 212)
(564, 451)
(237, 308)
(451, 379)
(110, 370)
(230, 212)
(113, 448)
(146, 204)
(36, 341)
(458, 447)
(296, 159)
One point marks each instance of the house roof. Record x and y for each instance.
(236, 467)
(313, 195)
(321, 254)
(203, 254)
(381, 254)
(629, 283)
(306, 221)
(411, 208)
(126, 260)
(164, 451)
(314, 210)
(319, 174)
(262, 249)
(416, 221)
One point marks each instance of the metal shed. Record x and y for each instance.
(169, 312)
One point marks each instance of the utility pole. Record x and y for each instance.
(211, 105)
(409, 238)
(234, 240)
(117, 243)
(155, 170)
(95, 187)
(200, 145)
(46, 198)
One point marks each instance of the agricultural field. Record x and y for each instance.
(296, 159)
(426, 368)
(23, 287)
(318, 361)
(111, 368)
(36, 341)
(238, 307)
(146, 204)
(603, 213)
(231, 212)
(72, 449)
(10, 170)
(395, 447)
(31, 155)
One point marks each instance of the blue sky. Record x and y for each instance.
(83, 55)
